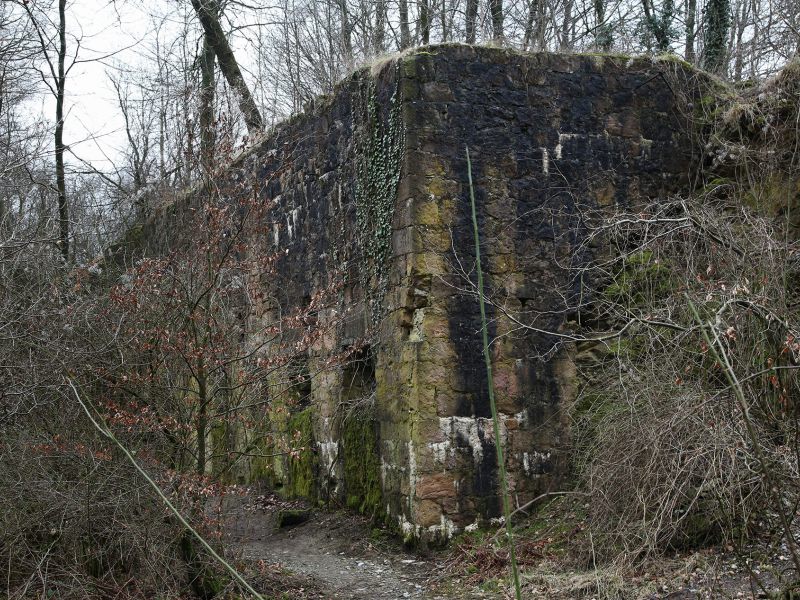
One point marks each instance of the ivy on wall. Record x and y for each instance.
(380, 154)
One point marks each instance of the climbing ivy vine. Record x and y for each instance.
(380, 155)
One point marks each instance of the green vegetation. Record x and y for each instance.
(361, 459)
(641, 278)
(381, 140)
(302, 459)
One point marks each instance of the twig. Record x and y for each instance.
(772, 485)
(103, 429)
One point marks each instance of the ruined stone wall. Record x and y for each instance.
(372, 207)
(549, 136)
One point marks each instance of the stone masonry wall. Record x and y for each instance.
(549, 136)
(372, 207)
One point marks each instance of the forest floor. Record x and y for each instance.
(339, 555)
(334, 555)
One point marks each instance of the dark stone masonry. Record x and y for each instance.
(371, 192)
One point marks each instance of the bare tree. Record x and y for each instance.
(472, 16)
(218, 42)
(496, 9)
(54, 56)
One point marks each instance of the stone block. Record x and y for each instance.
(435, 486)
(437, 91)
(427, 513)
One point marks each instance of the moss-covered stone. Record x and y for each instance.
(302, 458)
(260, 448)
(362, 468)
(641, 278)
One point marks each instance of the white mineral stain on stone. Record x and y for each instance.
(412, 473)
(407, 527)
(445, 529)
(439, 451)
(472, 429)
(328, 452)
(416, 334)
(532, 459)
(465, 427)
(567, 137)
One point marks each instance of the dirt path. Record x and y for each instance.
(340, 553)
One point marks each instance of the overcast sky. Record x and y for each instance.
(114, 35)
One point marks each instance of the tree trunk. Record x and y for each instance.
(228, 65)
(201, 426)
(496, 10)
(378, 44)
(424, 22)
(528, 36)
(207, 93)
(691, 18)
(405, 32)
(740, 25)
(472, 17)
(755, 40)
(347, 40)
(715, 34)
(603, 34)
(658, 26)
(61, 185)
(445, 23)
(566, 27)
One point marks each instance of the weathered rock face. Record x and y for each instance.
(372, 202)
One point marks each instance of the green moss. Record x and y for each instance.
(205, 581)
(675, 59)
(260, 466)
(302, 460)
(614, 55)
(713, 103)
(641, 279)
(776, 194)
(285, 460)
(362, 468)
(379, 535)
(408, 67)
(134, 236)
(594, 408)
(220, 443)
